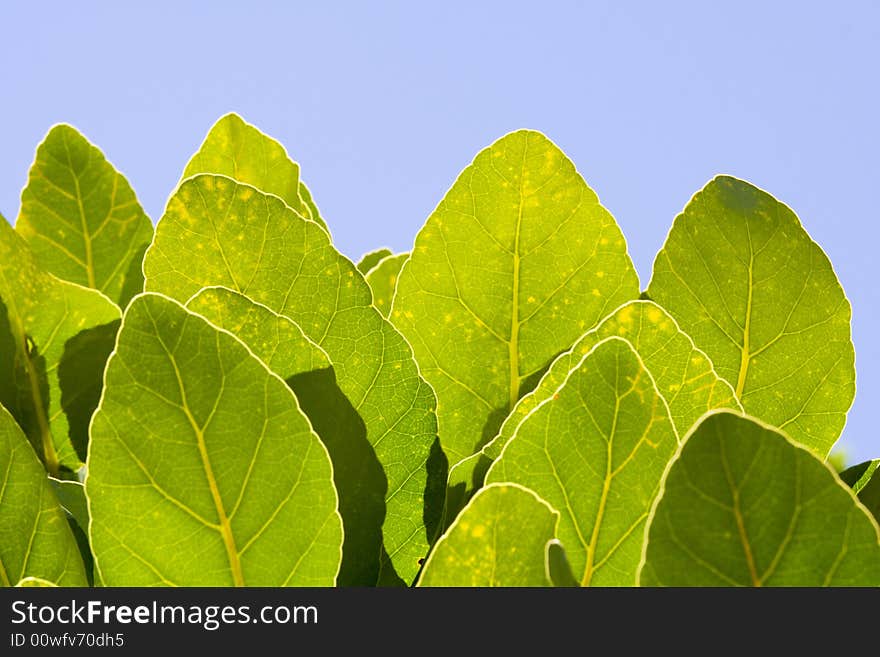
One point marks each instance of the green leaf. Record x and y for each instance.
(864, 479)
(35, 582)
(203, 471)
(54, 339)
(557, 567)
(72, 498)
(239, 150)
(216, 231)
(498, 540)
(516, 262)
(371, 259)
(358, 474)
(596, 450)
(743, 278)
(382, 280)
(35, 540)
(743, 505)
(683, 374)
(82, 219)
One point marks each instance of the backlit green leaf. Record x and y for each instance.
(742, 505)
(71, 496)
(864, 479)
(596, 450)
(745, 281)
(35, 540)
(216, 231)
(35, 582)
(371, 259)
(54, 340)
(557, 567)
(357, 473)
(203, 471)
(383, 279)
(516, 262)
(683, 374)
(239, 150)
(498, 540)
(82, 219)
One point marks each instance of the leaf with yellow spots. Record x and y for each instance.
(55, 337)
(596, 450)
(743, 505)
(523, 258)
(684, 376)
(82, 219)
(288, 264)
(239, 150)
(744, 279)
(305, 367)
(382, 279)
(371, 259)
(35, 539)
(498, 540)
(203, 470)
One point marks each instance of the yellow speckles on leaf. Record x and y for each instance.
(596, 292)
(625, 316)
(654, 314)
(479, 531)
(600, 274)
(530, 300)
(448, 318)
(604, 241)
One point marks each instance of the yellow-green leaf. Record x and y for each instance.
(382, 279)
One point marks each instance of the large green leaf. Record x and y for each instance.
(596, 450)
(239, 150)
(357, 473)
(517, 261)
(864, 479)
(203, 471)
(745, 281)
(35, 540)
(742, 505)
(683, 374)
(382, 280)
(371, 258)
(216, 231)
(55, 337)
(82, 218)
(498, 540)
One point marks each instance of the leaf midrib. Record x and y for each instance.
(513, 343)
(87, 238)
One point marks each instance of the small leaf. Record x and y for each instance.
(498, 540)
(371, 258)
(82, 219)
(72, 498)
(358, 474)
(382, 280)
(48, 380)
(864, 479)
(745, 281)
(742, 505)
(516, 262)
(239, 150)
(596, 450)
(35, 540)
(202, 469)
(216, 231)
(556, 564)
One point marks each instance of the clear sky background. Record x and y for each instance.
(383, 103)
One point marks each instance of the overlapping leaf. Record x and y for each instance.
(237, 149)
(498, 540)
(202, 468)
(371, 259)
(358, 475)
(35, 540)
(864, 479)
(516, 262)
(742, 505)
(596, 450)
(82, 219)
(745, 281)
(216, 231)
(55, 337)
(382, 280)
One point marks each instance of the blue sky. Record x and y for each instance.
(384, 103)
